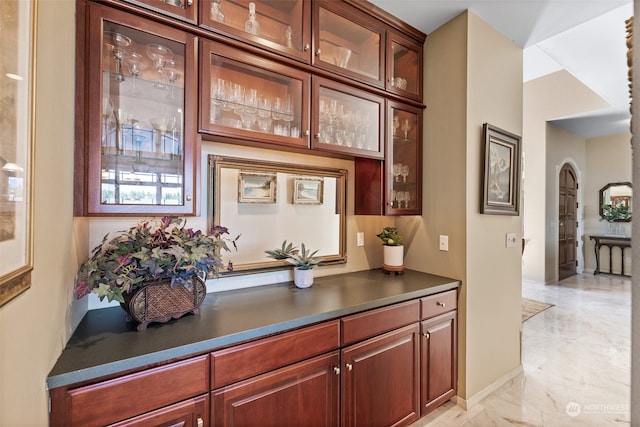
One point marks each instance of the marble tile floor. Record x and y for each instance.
(575, 357)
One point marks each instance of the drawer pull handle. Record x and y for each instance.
(349, 367)
(336, 370)
(441, 304)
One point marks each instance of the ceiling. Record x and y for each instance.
(585, 37)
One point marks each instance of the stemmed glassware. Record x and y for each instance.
(137, 65)
(107, 110)
(406, 127)
(118, 43)
(162, 125)
(396, 125)
(404, 172)
(264, 114)
(159, 54)
(173, 76)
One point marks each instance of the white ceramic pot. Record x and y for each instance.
(303, 278)
(393, 255)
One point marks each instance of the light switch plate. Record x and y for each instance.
(360, 238)
(444, 243)
(511, 240)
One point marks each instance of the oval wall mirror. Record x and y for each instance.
(617, 194)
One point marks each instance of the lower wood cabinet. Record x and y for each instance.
(306, 393)
(438, 361)
(190, 413)
(381, 380)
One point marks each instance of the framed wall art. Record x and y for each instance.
(501, 189)
(17, 59)
(308, 190)
(257, 187)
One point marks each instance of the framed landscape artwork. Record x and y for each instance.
(256, 187)
(308, 191)
(501, 172)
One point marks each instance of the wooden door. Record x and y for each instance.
(303, 394)
(380, 380)
(567, 222)
(439, 361)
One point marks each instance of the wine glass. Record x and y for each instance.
(137, 65)
(159, 55)
(118, 42)
(264, 114)
(173, 76)
(404, 172)
(406, 127)
(107, 110)
(396, 125)
(162, 125)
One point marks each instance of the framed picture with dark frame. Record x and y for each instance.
(257, 187)
(501, 172)
(308, 190)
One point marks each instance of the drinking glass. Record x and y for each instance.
(118, 42)
(159, 55)
(173, 76)
(136, 64)
(406, 127)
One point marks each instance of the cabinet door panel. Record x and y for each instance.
(305, 394)
(183, 9)
(439, 361)
(191, 413)
(137, 143)
(380, 380)
(404, 66)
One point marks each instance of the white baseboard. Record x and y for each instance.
(478, 397)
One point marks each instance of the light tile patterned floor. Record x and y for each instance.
(576, 362)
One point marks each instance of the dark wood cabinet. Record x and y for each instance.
(186, 10)
(438, 349)
(393, 186)
(248, 97)
(381, 380)
(136, 146)
(404, 66)
(190, 413)
(306, 393)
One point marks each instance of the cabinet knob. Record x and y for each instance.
(190, 3)
(188, 197)
(336, 370)
(307, 47)
(307, 133)
(200, 422)
(349, 367)
(318, 52)
(426, 335)
(441, 304)
(316, 136)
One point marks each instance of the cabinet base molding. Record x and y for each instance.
(515, 375)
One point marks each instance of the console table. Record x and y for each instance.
(610, 242)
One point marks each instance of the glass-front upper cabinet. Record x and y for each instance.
(186, 10)
(348, 42)
(404, 160)
(347, 120)
(282, 26)
(404, 66)
(139, 131)
(247, 97)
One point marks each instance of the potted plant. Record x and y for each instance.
(159, 252)
(612, 214)
(302, 259)
(393, 249)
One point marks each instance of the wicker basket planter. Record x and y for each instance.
(159, 302)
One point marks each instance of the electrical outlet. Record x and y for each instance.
(444, 243)
(511, 240)
(360, 238)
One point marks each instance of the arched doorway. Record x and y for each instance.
(567, 222)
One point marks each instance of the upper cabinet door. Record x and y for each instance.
(139, 127)
(280, 26)
(404, 66)
(186, 10)
(247, 97)
(348, 42)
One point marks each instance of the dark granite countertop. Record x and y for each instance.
(104, 343)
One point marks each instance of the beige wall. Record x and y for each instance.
(608, 159)
(476, 66)
(546, 98)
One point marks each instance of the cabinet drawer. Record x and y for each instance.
(375, 322)
(434, 305)
(130, 395)
(253, 358)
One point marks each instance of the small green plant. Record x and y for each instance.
(286, 251)
(302, 258)
(612, 213)
(390, 236)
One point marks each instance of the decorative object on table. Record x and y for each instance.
(162, 254)
(393, 250)
(613, 214)
(501, 180)
(302, 259)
